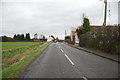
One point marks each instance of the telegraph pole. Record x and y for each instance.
(105, 14)
(119, 22)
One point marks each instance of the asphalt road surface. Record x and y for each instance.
(62, 61)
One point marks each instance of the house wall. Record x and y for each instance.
(73, 35)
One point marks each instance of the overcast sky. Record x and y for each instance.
(52, 17)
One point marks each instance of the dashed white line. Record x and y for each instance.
(69, 59)
(62, 50)
(84, 78)
(59, 47)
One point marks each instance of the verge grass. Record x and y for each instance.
(14, 70)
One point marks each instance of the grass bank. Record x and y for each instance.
(14, 70)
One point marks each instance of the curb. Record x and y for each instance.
(94, 53)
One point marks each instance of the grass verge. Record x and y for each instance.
(14, 70)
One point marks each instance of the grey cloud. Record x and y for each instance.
(48, 16)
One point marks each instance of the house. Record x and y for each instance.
(74, 37)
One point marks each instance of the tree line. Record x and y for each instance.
(43, 39)
(22, 37)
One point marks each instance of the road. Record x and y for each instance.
(62, 61)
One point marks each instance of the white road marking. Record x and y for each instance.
(84, 78)
(62, 50)
(69, 59)
(59, 47)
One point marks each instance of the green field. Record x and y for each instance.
(11, 45)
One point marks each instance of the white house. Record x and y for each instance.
(76, 38)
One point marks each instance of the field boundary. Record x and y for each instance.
(17, 47)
